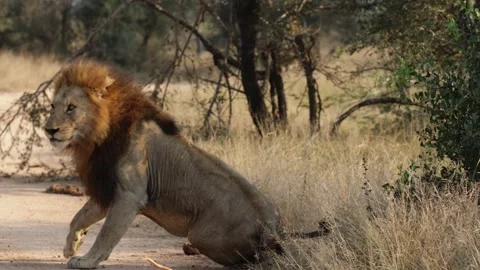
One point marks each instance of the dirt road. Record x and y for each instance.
(34, 224)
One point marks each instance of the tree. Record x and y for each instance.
(247, 16)
(251, 40)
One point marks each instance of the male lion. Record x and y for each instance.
(133, 160)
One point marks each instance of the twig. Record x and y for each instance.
(230, 100)
(368, 102)
(223, 85)
(214, 98)
(364, 70)
(223, 73)
(218, 56)
(214, 14)
(177, 56)
(156, 265)
(92, 37)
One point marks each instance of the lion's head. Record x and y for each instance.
(78, 114)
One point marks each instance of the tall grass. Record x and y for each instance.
(340, 180)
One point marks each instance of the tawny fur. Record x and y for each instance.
(132, 159)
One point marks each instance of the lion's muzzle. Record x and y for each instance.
(56, 138)
(51, 132)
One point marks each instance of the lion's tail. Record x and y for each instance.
(324, 228)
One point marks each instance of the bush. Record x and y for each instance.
(452, 96)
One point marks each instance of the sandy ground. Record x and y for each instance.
(34, 224)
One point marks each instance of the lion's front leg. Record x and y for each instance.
(120, 215)
(86, 217)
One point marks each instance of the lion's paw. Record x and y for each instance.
(81, 263)
(74, 241)
(68, 251)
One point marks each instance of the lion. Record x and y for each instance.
(133, 160)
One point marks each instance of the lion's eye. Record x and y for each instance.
(70, 108)
(52, 106)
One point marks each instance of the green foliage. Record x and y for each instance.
(452, 97)
(409, 29)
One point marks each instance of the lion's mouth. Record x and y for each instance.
(53, 140)
(59, 143)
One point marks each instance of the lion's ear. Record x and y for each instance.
(103, 90)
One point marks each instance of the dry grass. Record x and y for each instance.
(320, 178)
(22, 72)
(314, 179)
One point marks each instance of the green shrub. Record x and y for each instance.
(452, 96)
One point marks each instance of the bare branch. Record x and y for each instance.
(171, 68)
(221, 75)
(368, 102)
(218, 56)
(222, 85)
(214, 14)
(93, 36)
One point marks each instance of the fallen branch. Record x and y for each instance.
(368, 102)
(156, 265)
(73, 190)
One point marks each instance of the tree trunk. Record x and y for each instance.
(64, 27)
(315, 107)
(276, 82)
(247, 19)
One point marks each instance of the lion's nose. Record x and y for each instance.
(51, 131)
